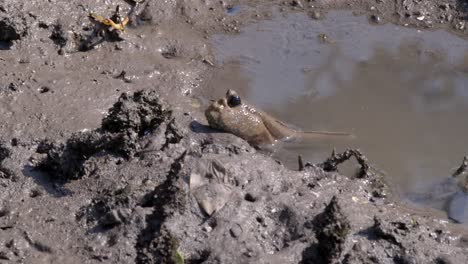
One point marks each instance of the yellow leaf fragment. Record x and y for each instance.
(109, 22)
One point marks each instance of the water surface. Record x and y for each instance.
(401, 91)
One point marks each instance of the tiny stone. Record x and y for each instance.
(235, 231)
(316, 15)
(296, 3)
(376, 19)
(207, 228)
(44, 89)
(112, 219)
(444, 6)
(35, 193)
(23, 61)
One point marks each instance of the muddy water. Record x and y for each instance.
(402, 92)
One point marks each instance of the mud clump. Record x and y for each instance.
(109, 209)
(390, 231)
(8, 89)
(332, 227)
(4, 152)
(461, 174)
(59, 34)
(129, 120)
(331, 164)
(134, 117)
(13, 25)
(66, 160)
(379, 190)
(139, 113)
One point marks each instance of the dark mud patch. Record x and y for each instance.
(59, 34)
(4, 153)
(9, 30)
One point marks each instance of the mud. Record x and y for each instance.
(99, 147)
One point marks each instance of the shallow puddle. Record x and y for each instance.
(401, 91)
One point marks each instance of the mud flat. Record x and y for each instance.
(105, 156)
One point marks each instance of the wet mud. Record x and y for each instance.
(106, 156)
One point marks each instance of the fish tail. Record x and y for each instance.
(329, 133)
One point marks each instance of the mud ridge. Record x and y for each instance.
(155, 243)
(130, 119)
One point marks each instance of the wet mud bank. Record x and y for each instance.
(106, 157)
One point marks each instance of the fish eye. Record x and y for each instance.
(234, 101)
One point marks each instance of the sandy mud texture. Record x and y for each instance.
(105, 157)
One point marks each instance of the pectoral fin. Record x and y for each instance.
(277, 129)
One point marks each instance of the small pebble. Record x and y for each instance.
(296, 3)
(235, 231)
(44, 89)
(207, 228)
(316, 14)
(375, 19)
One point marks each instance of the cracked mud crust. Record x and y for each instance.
(105, 157)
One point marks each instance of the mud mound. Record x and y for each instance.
(332, 228)
(13, 24)
(130, 119)
(156, 244)
(66, 160)
(140, 113)
(11, 30)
